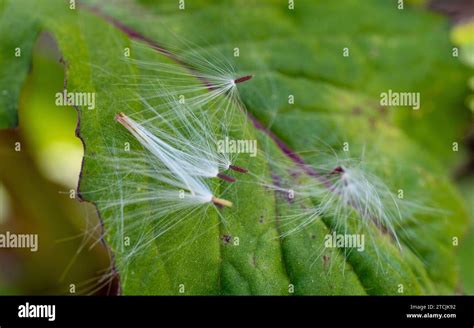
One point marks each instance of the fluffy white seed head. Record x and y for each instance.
(343, 188)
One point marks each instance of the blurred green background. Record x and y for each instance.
(35, 192)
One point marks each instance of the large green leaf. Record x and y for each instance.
(296, 52)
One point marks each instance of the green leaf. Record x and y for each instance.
(295, 52)
(401, 50)
(18, 30)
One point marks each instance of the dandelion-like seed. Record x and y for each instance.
(366, 194)
(201, 77)
(178, 162)
(343, 189)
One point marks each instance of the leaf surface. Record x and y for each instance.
(297, 53)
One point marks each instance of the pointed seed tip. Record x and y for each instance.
(243, 79)
(120, 116)
(238, 169)
(221, 202)
(225, 177)
(337, 170)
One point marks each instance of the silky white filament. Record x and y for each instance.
(339, 188)
(185, 168)
(198, 79)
